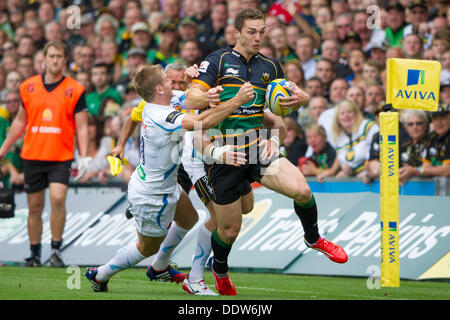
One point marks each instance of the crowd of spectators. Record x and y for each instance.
(335, 50)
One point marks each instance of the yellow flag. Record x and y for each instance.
(413, 84)
(116, 164)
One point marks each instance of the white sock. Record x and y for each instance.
(201, 254)
(125, 258)
(173, 238)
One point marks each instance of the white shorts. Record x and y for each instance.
(153, 213)
(194, 171)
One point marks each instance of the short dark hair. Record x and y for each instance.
(247, 14)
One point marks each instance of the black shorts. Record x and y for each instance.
(204, 190)
(230, 183)
(183, 179)
(38, 174)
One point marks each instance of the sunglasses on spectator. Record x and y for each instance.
(8, 48)
(344, 25)
(410, 124)
(12, 100)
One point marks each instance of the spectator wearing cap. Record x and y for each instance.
(141, 38)
(87, 26)
(352, 41)
(167, 51)
(395, 24)
(304, 50)
(418, 13)
(378, 53)
(187, 30)
(437, 157)
(135, 58)
(213, 37)
(100, 79)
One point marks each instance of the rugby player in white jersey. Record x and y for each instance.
(153, 192)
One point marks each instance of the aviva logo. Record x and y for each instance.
(415, 77)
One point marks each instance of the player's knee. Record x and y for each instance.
(231, 233)
(302, 193)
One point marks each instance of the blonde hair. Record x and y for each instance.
(317, 128)
(146, 80)
(336, 128)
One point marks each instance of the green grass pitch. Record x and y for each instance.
(20, 283)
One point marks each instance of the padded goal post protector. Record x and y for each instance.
(389, 199)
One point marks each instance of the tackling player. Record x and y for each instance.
(153, 193)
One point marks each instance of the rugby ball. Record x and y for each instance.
(274, 92)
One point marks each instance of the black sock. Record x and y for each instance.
(35, 250)
(307, 212)
(56, 245)
(221, 251)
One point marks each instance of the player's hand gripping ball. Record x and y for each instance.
(275, 92)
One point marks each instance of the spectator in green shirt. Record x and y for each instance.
(396, 24)
(100, 79)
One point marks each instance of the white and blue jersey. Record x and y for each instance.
(161, 146)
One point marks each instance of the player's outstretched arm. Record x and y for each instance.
(212, 117)
(127, 130)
